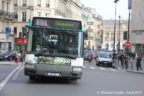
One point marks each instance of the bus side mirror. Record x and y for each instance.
(85, 36)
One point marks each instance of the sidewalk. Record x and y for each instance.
(9, 63)
(131, 67)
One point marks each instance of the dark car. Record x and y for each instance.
(88, 56)
(2, 57)
(10, 56)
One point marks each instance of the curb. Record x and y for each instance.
(132, 71)
(136, 72)
(9, 63)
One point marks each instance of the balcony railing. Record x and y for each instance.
(8, 15)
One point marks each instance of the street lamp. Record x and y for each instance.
(119, 34)
(129, 8)
(114, 29)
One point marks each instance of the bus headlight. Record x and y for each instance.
(77, 69)
(29, 64)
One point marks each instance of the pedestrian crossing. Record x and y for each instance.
(100, 68)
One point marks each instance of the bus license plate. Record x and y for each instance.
(53, 74)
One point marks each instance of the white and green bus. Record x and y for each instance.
(54, 48)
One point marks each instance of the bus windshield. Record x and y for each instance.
(52, 42)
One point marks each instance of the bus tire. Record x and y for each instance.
(31, 78)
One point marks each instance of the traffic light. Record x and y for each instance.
(125, 35)
(24, 31)
(24, 35)
(85, 35)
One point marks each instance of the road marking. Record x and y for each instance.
(2, 84)
(17, 73)
(102, 68)
(91, 67)
(113, 70)
(84, 67)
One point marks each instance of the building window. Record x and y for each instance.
(107, 34)
(24, 2)
(2, 5)
(7, 24)
(65, 0)
(38, 14)
(2, 26)
(15, 30)
(112, 38)
(117, 38)
(112, 45)
(15, 2)
(89, 43)
(7, 6)
(23, 16)
(47, 3)
(24, 30)
(106, 38)
(47, 14)
(38, 2)
(15, 15)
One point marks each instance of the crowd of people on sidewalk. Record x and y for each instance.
(131, 58)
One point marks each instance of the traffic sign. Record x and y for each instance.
(127, 44)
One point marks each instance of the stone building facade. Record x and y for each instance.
(108, 34)
(137, 27)
(92, 28)
(7, 19)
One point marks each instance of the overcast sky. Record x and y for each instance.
(106, 8)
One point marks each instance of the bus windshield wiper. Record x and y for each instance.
(66, 56)
(43, 50)
(57, 55)
(70, 56)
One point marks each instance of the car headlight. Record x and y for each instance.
(77, 69)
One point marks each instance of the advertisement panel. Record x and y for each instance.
(2, 37)
(54, 60)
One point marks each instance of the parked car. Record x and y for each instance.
(2, 57)
(93, 55)
(104, 59)
(10, 56)
(87, 55)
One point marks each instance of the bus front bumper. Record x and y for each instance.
(54, 71)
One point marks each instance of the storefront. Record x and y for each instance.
(6, 43)
(3, 45)
(20, 45)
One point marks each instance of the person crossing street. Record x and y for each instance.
(138, 63)
(125, 62)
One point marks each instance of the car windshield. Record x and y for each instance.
(104, 55)
(55, 42)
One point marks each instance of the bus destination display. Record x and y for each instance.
(56, 23)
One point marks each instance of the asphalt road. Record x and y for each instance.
(96, 81)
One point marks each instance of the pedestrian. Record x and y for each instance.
(121, 58)
(138, 63)
(126, 61)
(17, 57)
(89, 58)
(131, 62)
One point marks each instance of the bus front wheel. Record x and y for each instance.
(31, 77)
